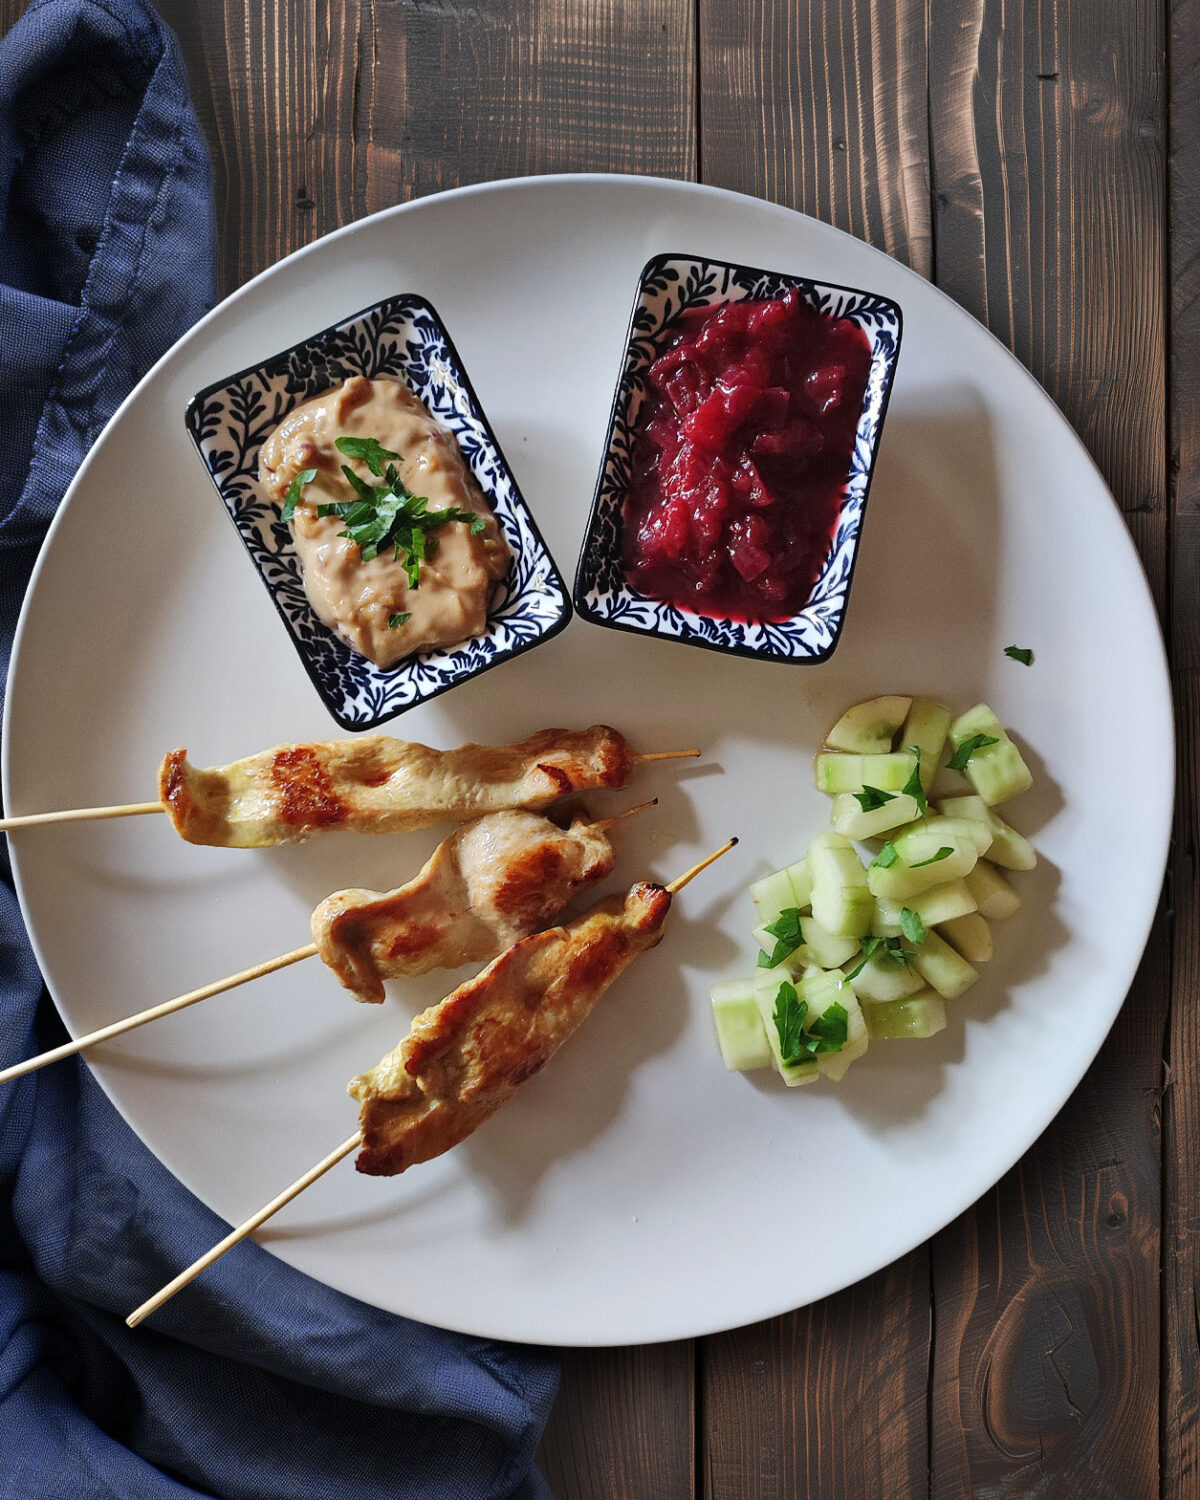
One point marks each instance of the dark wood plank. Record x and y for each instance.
(1046, 124)
(830, 1400)
(822, 106)
(623, 1424)
(1181, 1118)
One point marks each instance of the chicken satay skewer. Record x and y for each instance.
(340, 1153)
(302, 784)
(350, 965)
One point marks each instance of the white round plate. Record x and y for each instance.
(634, 1191)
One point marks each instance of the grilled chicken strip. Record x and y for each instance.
(381, 785)
(466, 1056)
(491, 883)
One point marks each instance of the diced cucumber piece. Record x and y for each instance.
(849, 818)
(851, 773)
(926, 726)
(997, 771)
(884, 978)
(942, 903)
(1009, 848)
(975, 829)
(918, 868)
(740, 1032)
(920, 1015)
(773, 895)
(841, 902)
(869, 728)
(801, 881)
(886, 921)
(943, 969)
(824, 948)
(766, 992)
(994, 897)
(971, 935)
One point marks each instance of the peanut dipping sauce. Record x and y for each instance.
(354, 598)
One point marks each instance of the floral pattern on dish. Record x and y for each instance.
(670, 285)
(401, 337)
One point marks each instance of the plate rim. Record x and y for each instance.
(1144, 911)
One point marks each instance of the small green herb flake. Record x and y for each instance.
(887, 856)
(958, 761)
(369, 450)
(943, 853)
(788, 1016)
(395, 621)
(830, 1029)
(871, 797)
(788, 935)
(913, 787)
(1020, 653)
(912, 926)
(294, 491)
(869, 945)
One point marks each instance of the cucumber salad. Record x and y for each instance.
(856, 948)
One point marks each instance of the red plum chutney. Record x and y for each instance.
(741, 455)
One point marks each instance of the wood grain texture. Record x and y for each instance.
(623, 1425)
(1181, 1117)
(1046, 122)
(827, 1401)
(822, 107)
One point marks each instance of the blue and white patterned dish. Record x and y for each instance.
(670, 285)
(404, 338)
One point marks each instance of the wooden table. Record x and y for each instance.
(1040, 160)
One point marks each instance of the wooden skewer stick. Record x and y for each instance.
(666, 755)
(243, 1230)
(331, 1160)
(138, 809)
(689, 875)
(181, 1002)
(81, 815)
(193, 997)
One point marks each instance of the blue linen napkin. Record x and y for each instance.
(256, 1381)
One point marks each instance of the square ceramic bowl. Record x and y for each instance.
(404, 338)
(670, 285)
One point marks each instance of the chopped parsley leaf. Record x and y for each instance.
(1020, 653)
(372, 453)
(887, 856)
(913, 787)
(294, 491)
(395, 621)
(912, 926)
(943, 853)
(958, 761)
(798, 1044)
(871, 797)
(787, 932)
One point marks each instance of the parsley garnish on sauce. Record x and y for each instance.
(294, 491)
(871, 797)
(786, 930)
(1020, 653)
(395, 621)
(913, 787)
(827, 1033)
(372, 453)
(383, 515)
(958, 761)
(943, 853)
